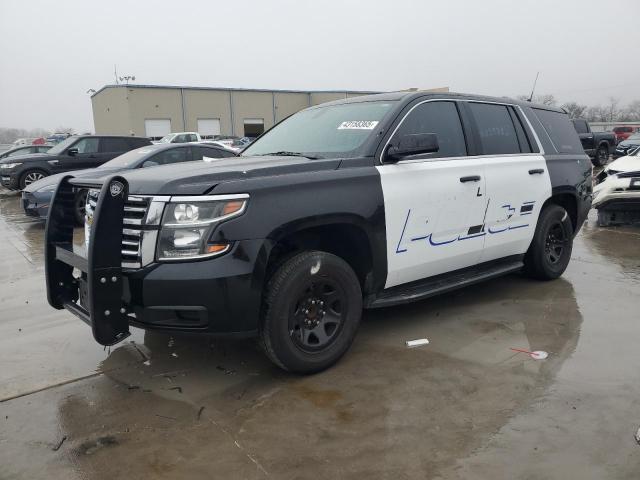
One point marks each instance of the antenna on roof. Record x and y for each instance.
(534, 87)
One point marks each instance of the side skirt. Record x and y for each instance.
(446, 282)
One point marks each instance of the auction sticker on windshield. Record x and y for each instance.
(358, 125)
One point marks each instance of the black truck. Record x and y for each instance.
(361, 203)
(598, 145)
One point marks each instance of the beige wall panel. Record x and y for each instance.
(111, 112)
(248, 104)
(207, 104)
(290, 103)
(156, 103)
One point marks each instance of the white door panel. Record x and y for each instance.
(433, 220)
(515, 198)
(208, 126)
(157, 127)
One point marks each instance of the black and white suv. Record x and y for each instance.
(365, 202)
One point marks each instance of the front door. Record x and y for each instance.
(434, 203)
(87, 155)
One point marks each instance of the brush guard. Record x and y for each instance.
(96, 297)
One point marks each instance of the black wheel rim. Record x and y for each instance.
(555, 243)
(317, 315)
(81, 201)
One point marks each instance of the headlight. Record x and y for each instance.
(187, 225)
(10, 165)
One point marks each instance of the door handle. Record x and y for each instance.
(536, 171)
(470, 178)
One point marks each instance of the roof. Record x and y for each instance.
(227, 89)
(411, 95)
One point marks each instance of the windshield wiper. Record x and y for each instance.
(285, 153)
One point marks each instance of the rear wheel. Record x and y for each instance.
(311, 312)
(31, 176)
(602, 155)
(550, 250)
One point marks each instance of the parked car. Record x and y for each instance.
(241, 143)
(364, 202)
(626, 146)
(23, 141)
(180, 137)
(75, 153)
(624, 132)
(36, 197)
(598, 145)
(56, 138)
(227, 141)
(617, 195)
(25, 150)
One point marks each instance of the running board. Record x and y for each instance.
(444, 283)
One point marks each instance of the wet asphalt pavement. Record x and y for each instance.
(464, 406)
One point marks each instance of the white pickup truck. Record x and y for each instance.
(180, 137)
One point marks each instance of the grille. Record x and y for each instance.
(135, 211)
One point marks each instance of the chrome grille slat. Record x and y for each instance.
(135, 212)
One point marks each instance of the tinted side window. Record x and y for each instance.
(581, 126)
(495, 126)
(208, 152)
(114, 145)
(166, 157)
(86, 145)
(193, 138)
(559, 128)
(440, 118)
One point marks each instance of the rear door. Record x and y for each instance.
(112, 147)
(434, 203)
(517, 179)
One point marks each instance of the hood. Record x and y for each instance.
(24, 158)
(198, 177)
(628, 143)
(54, 179)
(630, 163)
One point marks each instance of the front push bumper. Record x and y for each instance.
(219, 296)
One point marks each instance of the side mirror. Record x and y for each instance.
(408, 145)
(72, 152)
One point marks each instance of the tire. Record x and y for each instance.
(311, 312)
(601, 157)
(79, 207)
(30, 176)
(550, 249)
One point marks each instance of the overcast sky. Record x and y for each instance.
(51, 53)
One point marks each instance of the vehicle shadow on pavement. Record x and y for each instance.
(167, 404)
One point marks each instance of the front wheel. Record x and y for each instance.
(550, 250)
(31, 176)
(311, 312)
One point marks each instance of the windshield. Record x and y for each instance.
(59, 148)
(328, 132)
(129, 159)
(167, 138)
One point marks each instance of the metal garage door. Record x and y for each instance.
(157, 127)
(208, 126)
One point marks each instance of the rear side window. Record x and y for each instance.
(496, 128)
(114, 145)
(581, 126)
(209, 152)
(440, 118)
(166, 157)
(560, 131)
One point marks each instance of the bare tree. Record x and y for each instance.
(612, 110)
(546, 99)
(574, 109)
